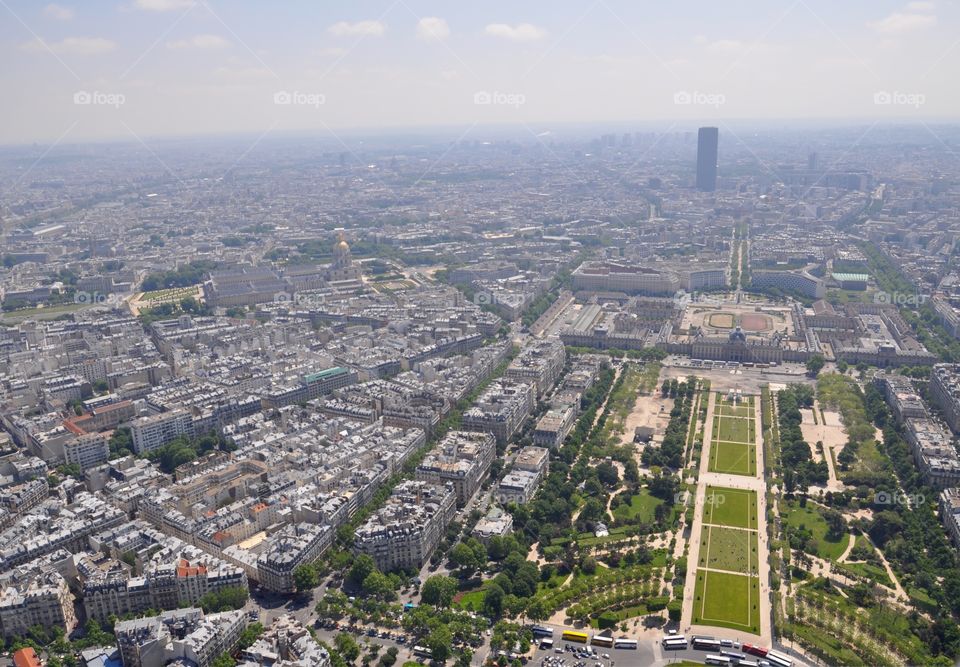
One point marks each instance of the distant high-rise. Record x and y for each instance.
(707, 139)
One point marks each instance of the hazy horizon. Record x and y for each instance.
(107, 71)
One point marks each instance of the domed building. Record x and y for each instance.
(343, 272)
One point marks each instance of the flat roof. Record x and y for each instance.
(850, 277)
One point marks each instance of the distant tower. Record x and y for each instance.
(707, 140)
(812, 162)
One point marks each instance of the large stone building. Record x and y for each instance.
(539, 364)
(42, 599)
(529, 469)
(790, 281)
(632, 279)
(461, 459)
(501, 409)
(405, 532)
(154, 431)
(299, 544)
(945, 392)
(185, 635)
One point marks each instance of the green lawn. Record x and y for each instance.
(734, 429)
(727, 601)
(868, 570)
(734, 411)
(810, 518)
(729, 549)
(46, 312)
(640, 508)
(470, 600)
(730, 507)
(734, 458)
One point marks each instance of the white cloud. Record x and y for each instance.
(725, 46)
(921, 6)
(358, 29)
(81, 46)
(432, 27)
(58, 12)
(200, 42)
(900, 22)
(521, 32)
(163, 5)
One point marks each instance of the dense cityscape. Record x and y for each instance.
(613, 394)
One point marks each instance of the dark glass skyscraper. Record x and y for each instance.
(707, 139)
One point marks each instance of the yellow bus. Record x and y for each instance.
(571, 636)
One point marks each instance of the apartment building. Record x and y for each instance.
(41, 600)
(501, 409)
(461, 459)
(296, 545)
(405, 532)
(528, 471)
(933, 452)
(539, 364)
(554, 426)
(88, 450)
(945, 392)
(155, 431)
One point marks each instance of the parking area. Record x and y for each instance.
(565, 654)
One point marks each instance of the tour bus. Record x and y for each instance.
(541, 631)
(422, 652)
(674, 642)
(714, 659)
(733, 654)
(572, 636)
(602, 640)
(623, 642)
(779, 659)
(755, 650)
(706, 643)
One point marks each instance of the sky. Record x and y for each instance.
(140, 69)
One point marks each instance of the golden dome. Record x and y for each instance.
(341, 245)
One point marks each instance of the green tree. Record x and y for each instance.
(493, 602)
(440, 643)
(378, 585)
(305, 577)
(223, 660)
(815, 364)
(347, 647)
(362, 566)
(439, 591)
(464, 558)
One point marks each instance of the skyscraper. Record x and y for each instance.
(707, 139)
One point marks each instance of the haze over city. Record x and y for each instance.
(191, 68)
(495, 334)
